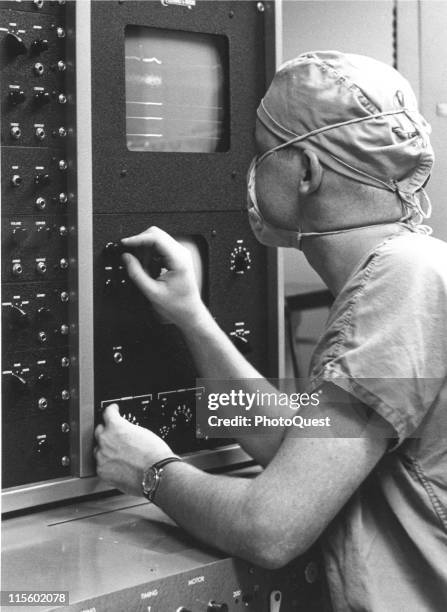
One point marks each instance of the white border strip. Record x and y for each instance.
(85, 236)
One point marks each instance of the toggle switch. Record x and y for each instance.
(44, 381)
(18, 317)
(41, 203)
(42, 97)
(42, 179)
(16, 96)
(18, 383)
(18, 234)
(44, 314)
(39, 46)
(14, 44)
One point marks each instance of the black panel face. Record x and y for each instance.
(139, 355)
(170, 180)
(194, 78)
(37, 324)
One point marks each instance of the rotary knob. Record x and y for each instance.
(14, 44)
(181, 417)
(240, 259)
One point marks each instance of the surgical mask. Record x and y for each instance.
(273, 236)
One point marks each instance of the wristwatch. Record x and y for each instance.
(152, 476)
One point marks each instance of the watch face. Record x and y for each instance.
(149, 480)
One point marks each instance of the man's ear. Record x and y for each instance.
(313, 173)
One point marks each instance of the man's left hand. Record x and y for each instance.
(125, 450)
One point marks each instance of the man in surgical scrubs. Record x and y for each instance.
(343, 157)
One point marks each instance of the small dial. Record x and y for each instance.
(181, 417)
(240, 259)
(129, 416)
(163, 432)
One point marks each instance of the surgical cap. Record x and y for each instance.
(357, 114)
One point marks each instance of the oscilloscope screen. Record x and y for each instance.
(177, 97)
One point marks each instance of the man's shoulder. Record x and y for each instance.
(412, 256)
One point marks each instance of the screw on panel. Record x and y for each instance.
(16, 132)
(38, 69)
(260, 6)
(39, 133)
(17, 269)
(123, 172)
(42, 403)
(65, 296)
(16, 180)
(65, 461)
(65, 362)
(213, 233)
(41, 267)
(65, 428)
(65, 395)
(231, 14)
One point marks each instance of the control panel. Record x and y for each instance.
(38, 253)
(138, 117)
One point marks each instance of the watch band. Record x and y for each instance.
(156, 471)
(160, 464)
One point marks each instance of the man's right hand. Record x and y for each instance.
(174, 294)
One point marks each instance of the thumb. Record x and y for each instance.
(139, 276)
(111, 412)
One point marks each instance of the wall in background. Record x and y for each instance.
(354, 26)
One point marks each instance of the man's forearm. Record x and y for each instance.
(217, 358)
(211, 507)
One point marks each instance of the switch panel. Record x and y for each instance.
(38, 254)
